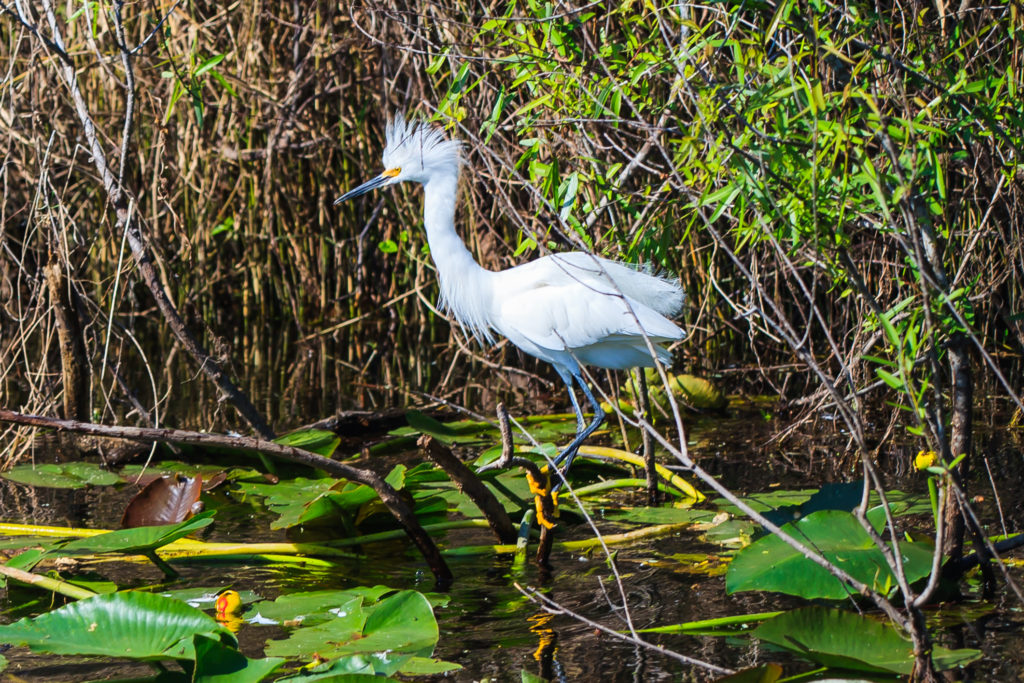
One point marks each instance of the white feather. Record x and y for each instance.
(564, 308)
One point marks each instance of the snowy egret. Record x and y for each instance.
(567, 309)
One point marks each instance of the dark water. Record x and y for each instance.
(493, 630)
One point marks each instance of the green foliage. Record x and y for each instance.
(842, 640)
(769, 564)
(358, 629)
(140, 626)
(319, 441)
(374, 631)
(71, 475)
(140, 540)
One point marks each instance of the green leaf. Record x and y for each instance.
(298, 501)
(130, 624)
(464, 431)
(217, 662)
(401, 624)
(769, 564)
(315, 607)
(326, 637)
(890, 379)
(72, 475)
(319, 441)
(841, 639)
(207, 65)
(140, 540)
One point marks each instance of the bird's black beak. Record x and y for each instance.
(364, 188)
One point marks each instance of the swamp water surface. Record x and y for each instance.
(490, 628)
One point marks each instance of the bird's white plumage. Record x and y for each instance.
(554, 308)
(565, 309)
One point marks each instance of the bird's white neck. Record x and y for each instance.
(465, 286)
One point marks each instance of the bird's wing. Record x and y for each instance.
(636, 282)
(574, 315)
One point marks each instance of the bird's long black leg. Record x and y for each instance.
(569, 454)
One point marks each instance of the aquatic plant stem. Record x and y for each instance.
(46, 583)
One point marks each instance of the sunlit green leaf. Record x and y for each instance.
(845, 640)
(135, 625)
(769, 564)
(71, 475)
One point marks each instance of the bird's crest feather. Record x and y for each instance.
(419, 148)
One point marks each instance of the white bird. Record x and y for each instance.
(567, 309)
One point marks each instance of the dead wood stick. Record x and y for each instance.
(73, 360)
(470, 484)
(388, 495)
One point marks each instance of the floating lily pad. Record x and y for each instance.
(845, 640)
(316, 607)
(70, 475)
(130, 624)
(303, 501)
(391, 636)
(769, 564)
(141, 540)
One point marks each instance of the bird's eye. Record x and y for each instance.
(392, 172)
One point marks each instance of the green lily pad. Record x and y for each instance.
(70, 475)
(397, 632)
(769, 564)
(299, 501)
(316, 607)
(354, 669)
(307, 501)
(845, 640)
(403, 622)
(217, 662)
(136, 625)
(319, 441)
(140, 540)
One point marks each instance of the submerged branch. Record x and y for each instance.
(471, 485)
(388, 495)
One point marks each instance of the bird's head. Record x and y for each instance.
(415, 151)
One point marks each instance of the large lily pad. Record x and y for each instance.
(136, 625)
(395, 635)
(769, 564)
(845, 640)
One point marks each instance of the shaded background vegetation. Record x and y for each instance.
(816, 174)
